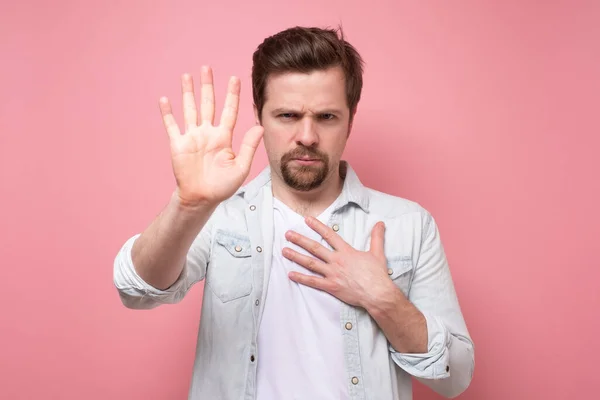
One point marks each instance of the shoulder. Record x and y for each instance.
(390, 206)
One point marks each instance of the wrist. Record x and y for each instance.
(187, 206)
(383, 299)
(186, 211)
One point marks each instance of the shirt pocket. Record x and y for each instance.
(400, 270)
(229, 275)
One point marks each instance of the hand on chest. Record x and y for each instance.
(285, 220)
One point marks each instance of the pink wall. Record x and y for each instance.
(484, 112)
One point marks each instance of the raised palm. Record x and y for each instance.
(206, 168)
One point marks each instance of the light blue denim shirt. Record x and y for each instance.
(233, 254)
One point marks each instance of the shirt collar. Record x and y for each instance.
(353, 191)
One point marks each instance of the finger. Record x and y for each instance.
(334, 240)
(313, 247)
(168, 118)
(190, 112)
(315, 282)
(232, 101)
(207, 96)
(377, 240)
(248, 148)
(308, 262)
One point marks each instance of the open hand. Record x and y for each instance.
(353, 276)
(205, 167)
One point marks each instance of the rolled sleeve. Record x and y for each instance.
(134, 291)
(431, 365)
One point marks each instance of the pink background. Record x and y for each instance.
(484, 112)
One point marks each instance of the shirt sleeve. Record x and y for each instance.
(448, 365)
(136, 293)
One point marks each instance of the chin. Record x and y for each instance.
(304, 179)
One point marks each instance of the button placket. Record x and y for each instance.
(253, 216)
(349, 327)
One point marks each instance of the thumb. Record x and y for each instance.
(377, 240)
(249, 146)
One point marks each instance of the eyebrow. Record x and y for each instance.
(281, 110)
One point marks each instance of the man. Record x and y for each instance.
(316, 286)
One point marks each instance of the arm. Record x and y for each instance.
(448, 362)
(159, 253)
(161, 264)
(402, 323)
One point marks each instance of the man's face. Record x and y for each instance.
(306, 122)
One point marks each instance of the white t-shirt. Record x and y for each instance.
(299, 342)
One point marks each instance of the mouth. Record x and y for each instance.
(306, 160)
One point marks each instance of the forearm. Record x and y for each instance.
(159, 254)
(401, 322)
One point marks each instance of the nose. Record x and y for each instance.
(307, 135)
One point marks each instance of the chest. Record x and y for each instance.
(245, 248)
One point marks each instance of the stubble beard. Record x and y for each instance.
(304, 177)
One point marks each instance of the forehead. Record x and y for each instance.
(314, 90)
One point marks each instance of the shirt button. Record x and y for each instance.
(257, 302)
(252, 207)
(252, 358)
(348, 325)
(447, 368)
(390, 271)
(336, 227)
(259, 249)
(238, 248)
(355, 381)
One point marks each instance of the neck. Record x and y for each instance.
(311, 203)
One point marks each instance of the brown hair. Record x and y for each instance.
(301, 49)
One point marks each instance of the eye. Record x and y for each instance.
(327, 117)
(287, 115)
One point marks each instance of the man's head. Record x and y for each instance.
(306, 86)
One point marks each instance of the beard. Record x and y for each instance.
(304, 177)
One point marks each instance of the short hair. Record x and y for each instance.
(306, 49)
